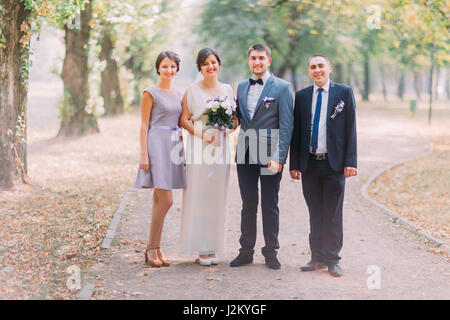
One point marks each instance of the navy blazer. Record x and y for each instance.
(341, 131)
(270, 128)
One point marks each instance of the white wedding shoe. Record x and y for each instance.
(214, 260)
(204, 261)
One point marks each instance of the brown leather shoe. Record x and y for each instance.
(154, 263)
(164, 262)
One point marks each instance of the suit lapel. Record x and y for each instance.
(331, 95)
(244, 94)
(308, 100)
(264, 93)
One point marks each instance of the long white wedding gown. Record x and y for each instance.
(205, 199)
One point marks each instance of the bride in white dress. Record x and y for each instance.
(205, 199)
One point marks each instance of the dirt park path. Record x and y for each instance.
(406, 269)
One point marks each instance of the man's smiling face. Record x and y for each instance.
(259, 62)
(319, 70)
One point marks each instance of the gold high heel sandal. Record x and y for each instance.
(154, 263)
(165, 262)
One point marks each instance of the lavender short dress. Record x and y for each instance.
(165, 148)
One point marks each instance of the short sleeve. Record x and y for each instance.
(150, 90)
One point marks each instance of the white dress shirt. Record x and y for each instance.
(322, 137)
(254, 92)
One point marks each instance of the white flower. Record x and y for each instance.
(209, 104)
(226, 104)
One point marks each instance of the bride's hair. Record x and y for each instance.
(204, 54)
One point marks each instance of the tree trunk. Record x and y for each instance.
(75, 119)
(110, 88)
(436, 92)
(401, 85)
(417, 84)
(383, 81)
(431, 88)
(349, 74)
(294, 77)
(14, 52)
(339, 73)
(281, 71)
(366, 78)
(447, 84)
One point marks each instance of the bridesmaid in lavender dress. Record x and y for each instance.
(162, 165)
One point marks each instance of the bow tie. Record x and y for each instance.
(253, 81)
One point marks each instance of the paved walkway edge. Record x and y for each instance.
(88, 288)
(111, 233)
(86, 291)
(395, 216)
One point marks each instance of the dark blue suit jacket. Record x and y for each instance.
(341, 131)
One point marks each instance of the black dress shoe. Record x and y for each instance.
(241, 260)
(335, 270)
(273, 263)
(313, 265)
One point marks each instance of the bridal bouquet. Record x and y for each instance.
(219, 112)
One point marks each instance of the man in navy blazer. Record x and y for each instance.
(323, 151)
(265, 113)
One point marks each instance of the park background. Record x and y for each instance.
(72, 74)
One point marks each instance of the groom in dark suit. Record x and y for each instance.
(323, 150)
(265, 113)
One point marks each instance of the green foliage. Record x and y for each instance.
(26, 63)
(219, 117)
(410, 30)
(417, 30)
(2, 36)
(293, 30)
(137, 29)
(59, 12)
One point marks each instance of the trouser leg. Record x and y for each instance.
(270, 186)
(248, 185)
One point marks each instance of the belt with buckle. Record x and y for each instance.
(319, 156)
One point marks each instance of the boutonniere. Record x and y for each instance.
(338, 109)
(267, 101)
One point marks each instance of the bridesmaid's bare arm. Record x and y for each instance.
(146, 110)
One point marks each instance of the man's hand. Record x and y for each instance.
(274, 166)
(350, 172)
(295, 174)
